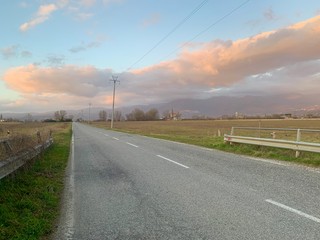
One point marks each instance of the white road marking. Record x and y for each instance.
(116, 138)
(294, 210)
(106, 135)
(132, 144)
(172, 161)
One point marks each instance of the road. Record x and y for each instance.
(123, 186)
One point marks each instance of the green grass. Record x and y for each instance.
(29, 200)
(205, 134)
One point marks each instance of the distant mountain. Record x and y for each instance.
(248, 105)
(212, 107)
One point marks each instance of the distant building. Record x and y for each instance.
(173, 116)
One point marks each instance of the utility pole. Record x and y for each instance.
(89, 112)
(114, 80)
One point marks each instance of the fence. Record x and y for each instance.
(12, 163)
(263, 138)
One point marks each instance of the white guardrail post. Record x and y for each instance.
(298, 140)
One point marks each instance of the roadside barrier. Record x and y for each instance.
(296, 144)
(14, 162)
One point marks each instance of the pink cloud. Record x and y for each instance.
(79, 81)
(223, 63)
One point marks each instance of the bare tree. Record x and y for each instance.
(29, 118)
(136, 115)
(60, 115)
(103, 115)
(152, 114)
(117, 116)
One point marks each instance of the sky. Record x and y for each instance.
(62, 54)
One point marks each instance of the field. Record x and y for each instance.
(24, 135)
(209, 133)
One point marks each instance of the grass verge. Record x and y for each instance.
(29, 200)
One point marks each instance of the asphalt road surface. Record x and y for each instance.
(123, 186)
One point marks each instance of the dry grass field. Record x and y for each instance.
(24, 135)
(203, 128)
(209, 133)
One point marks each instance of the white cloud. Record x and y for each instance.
(151, 20)
(84, 47)
(87, 3)
(9, 52)
(42, 15)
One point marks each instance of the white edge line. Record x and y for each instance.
(268, 161)
(294, 210)
(172, 161)
(69, 220)
(116, 138)
(132, 144)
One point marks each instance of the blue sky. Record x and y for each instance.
(67, 50)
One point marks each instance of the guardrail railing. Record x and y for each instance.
(263, 138)
(13, 163)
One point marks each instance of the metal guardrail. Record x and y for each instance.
(11, 164)
(272, 142)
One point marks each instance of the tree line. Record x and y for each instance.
(138, 114)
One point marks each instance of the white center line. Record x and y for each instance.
(294, 210)
(116, 138)
(172, 161)
(132, 144)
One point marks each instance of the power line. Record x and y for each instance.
(209, 27)
(169, 33)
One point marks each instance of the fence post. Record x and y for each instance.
(7, 147)
(298, 140)
(39, 136)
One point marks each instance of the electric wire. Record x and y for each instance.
(193, 38)
(208, 28)
(169, 33)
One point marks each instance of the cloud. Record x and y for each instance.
(280, 61)
(87, 3)
(270, 15)
(26, 54)
(108, 2)
(55, 60)
(224, 63)
(151, 20)
(84, 47)
(14, 51)
(9, 52)
(42, 15)
(72, 80)
(23, 5)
